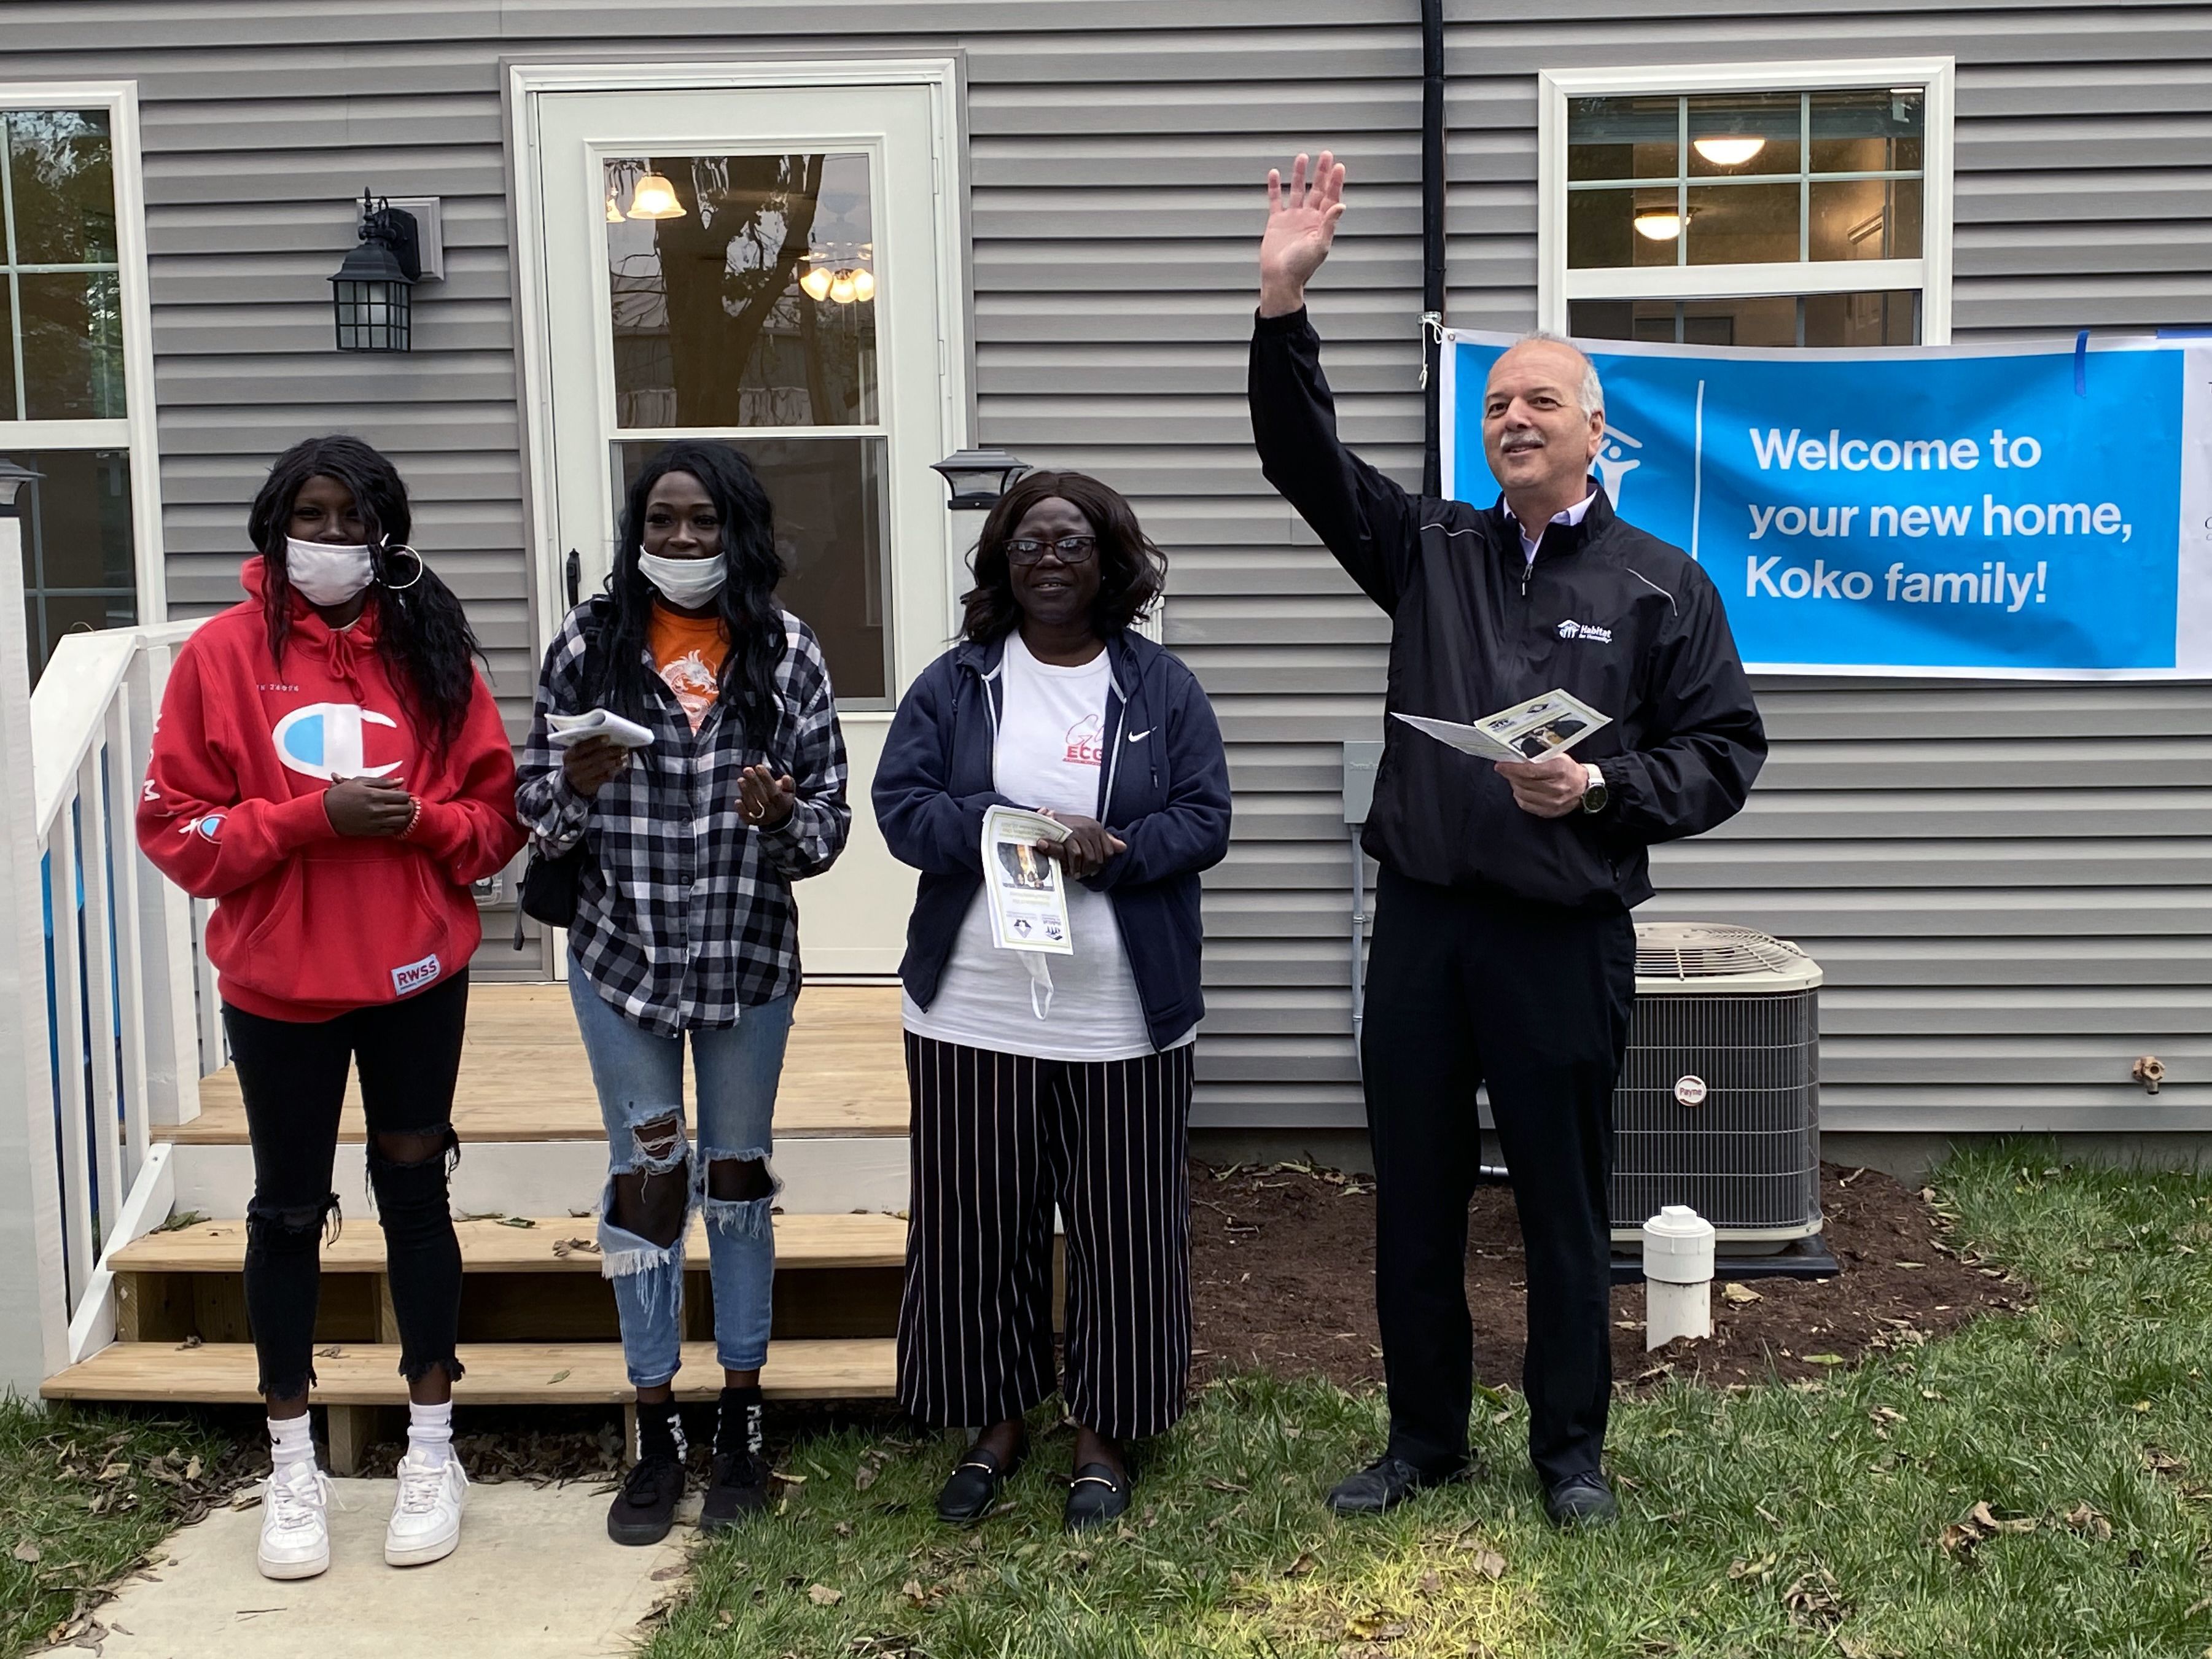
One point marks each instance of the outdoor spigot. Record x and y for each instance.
(2150, 1072)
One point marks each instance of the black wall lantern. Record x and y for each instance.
(977, 477)
(373, 293)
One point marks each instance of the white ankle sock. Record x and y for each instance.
(290, 1441)
(430, 1432)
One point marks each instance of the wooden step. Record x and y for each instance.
(802, 1242)
(524, 1075)
(499, 1373)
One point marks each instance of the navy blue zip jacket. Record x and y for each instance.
(1163, 791)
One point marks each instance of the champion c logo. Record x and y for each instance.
(324, 740)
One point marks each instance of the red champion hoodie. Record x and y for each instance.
(312, 923)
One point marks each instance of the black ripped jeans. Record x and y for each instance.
(293, 1075)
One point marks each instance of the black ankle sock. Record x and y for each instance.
(659, 1431)
(738, 1423)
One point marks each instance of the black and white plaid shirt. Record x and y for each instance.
(684, 912)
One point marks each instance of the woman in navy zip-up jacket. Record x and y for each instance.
(1072, 1087)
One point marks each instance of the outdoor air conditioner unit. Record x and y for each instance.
(1718, 1102)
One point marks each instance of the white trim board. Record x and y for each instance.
(1930, 274)
(136, 431)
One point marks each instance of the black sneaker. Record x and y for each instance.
(738, 1489)
(645, 1508)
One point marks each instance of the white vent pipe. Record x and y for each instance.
(1678, 1276)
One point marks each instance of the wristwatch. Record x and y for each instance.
(1596, 795)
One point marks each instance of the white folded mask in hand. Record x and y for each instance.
(567, 731)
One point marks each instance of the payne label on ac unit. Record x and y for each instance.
(1690, 1091)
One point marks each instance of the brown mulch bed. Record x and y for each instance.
(1284, 1281)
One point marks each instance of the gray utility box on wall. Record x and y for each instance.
(1719, 1098)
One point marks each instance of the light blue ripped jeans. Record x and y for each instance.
(639, 1078)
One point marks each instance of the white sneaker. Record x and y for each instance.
(426, 1517)
(296, 1522)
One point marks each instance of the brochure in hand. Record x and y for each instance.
(567, 731)
(1027, 890)
(1549, 725)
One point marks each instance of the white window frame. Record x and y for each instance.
(136, 432)
(1929, 274)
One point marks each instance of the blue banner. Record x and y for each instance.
(2007, 511)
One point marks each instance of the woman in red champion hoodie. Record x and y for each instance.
(331, 769)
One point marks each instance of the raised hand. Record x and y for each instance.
(1301, 225)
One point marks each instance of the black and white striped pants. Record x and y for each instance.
(998, 1139)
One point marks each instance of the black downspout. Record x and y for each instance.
(1432, 240)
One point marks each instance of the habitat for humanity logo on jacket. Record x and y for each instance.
(311, 923)
(1163, 790)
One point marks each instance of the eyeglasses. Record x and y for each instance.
(1071, 549)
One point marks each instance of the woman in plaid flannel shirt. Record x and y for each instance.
(685, 924)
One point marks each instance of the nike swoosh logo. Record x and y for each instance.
(1139, 736)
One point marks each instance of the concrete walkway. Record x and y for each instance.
(535, 1575)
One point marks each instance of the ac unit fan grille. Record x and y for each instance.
(1748, 1157)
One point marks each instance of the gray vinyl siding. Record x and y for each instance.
(2011, 904)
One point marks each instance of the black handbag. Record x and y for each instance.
(548, 892)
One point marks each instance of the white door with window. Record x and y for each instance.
(771, 265)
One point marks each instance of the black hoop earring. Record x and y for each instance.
(420, 567)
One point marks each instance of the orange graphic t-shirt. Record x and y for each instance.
(687, 651)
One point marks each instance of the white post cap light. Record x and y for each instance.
(13, 478)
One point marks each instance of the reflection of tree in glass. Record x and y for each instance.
(711, 326)
(61, 175)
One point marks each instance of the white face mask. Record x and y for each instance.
(686, 582)
(325, 574)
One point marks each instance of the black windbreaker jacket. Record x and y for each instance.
(1624, 621)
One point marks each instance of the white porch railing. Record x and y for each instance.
(101, 1031)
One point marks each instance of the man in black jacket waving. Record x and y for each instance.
(1503, 951)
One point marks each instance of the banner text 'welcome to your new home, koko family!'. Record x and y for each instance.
(1996, 583)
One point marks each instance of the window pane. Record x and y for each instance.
(1623, 137)
(1862, 319)
(1621, 319)
(59, 166)
(827, 494)
(1608, 228)
(1745, 133)
(72, 324)
(712, 325)
(1742, 224)
(1866, 219)
(1768, 321)
(1873, 130)
(79, 568)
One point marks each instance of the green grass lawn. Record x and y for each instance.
(83, 1496)
(1834, 1518)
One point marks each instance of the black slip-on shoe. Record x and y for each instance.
(971, 1492)
(1096, 1496)
(645, 1508)
(1384, 1484)
(1582, 1500)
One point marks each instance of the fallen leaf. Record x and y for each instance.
(1305, 1563)
(1214, 1483)
(557, 1377)
(516, 1221)
(1824, 1359)
(822, 1596)
(912, 1591)
(1375, 1627)
(1490, 1564)
(673, 1570)
(2084, 1518)
(1741, 1295)
(1751, 1570)
(28, 1553)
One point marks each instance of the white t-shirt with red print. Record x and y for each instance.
(1052, 752)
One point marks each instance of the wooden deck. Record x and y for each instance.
(524, 1075)
(546, 1245)
(499, 1373)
